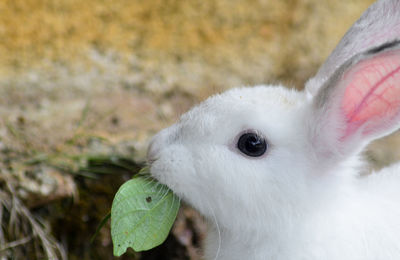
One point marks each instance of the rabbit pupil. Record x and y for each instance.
(252, 144)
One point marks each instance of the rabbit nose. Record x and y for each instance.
(158, 142)
(152, 151)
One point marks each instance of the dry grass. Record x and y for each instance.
(21, 233)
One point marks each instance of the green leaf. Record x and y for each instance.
(142, 215)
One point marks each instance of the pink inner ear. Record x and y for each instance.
(373, 93)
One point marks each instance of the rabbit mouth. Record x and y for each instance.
(161, 173)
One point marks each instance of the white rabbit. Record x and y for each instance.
(276, 172)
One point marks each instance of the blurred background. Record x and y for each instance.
(85, 84)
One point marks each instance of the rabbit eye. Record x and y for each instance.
(252, 144)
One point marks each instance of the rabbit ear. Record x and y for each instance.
(378, 25)
(360, 102)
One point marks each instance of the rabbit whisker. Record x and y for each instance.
(218, 229)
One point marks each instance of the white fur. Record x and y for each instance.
(303, 199)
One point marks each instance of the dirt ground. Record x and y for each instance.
(85, 84)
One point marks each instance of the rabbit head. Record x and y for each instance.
(199, 157)
(260, 157)
(265, 148)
